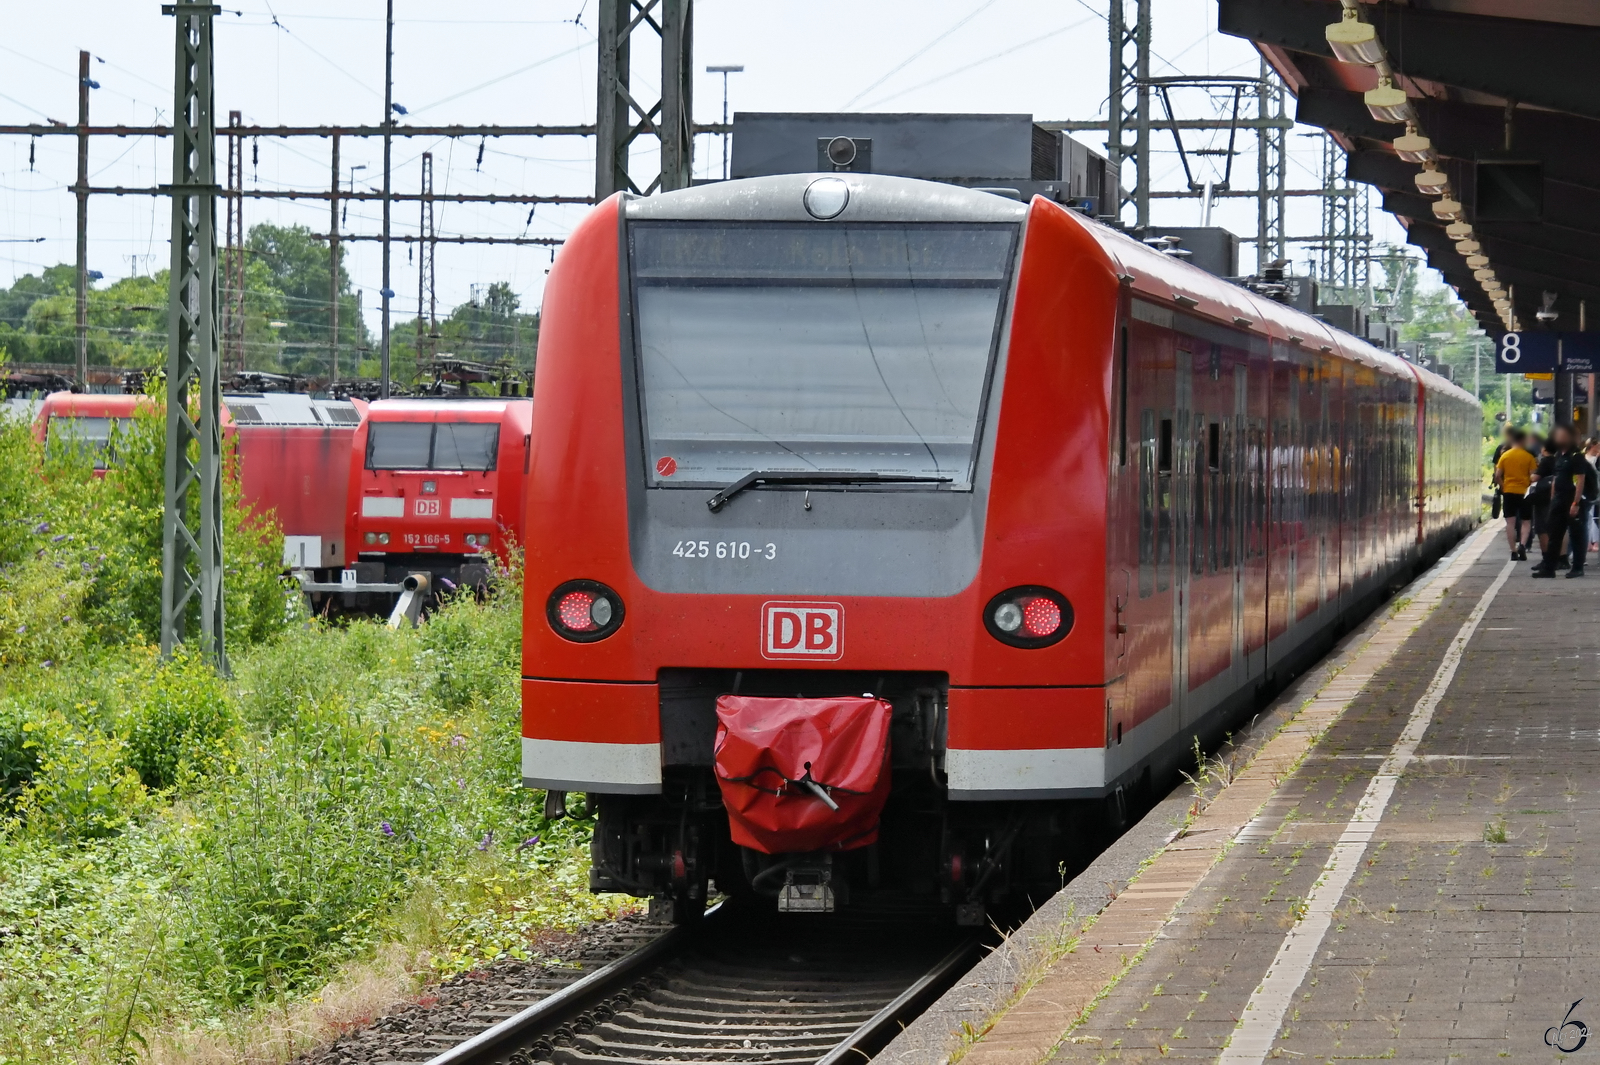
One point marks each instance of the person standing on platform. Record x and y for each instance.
(1513, 475)
(1572, 491)
(1539, 494)
(1592, 452)
(1507, 442)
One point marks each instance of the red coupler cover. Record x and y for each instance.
(763, 749)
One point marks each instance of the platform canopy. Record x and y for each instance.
(1507, 94)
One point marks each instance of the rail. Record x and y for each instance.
(737, 988)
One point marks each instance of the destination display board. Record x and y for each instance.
(1547, 353)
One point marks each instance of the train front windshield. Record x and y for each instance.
(79, 433)
(839, 348)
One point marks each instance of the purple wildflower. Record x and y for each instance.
(386, 828)
(487, 841)
(42, 528)
(458, 740)
(531, 841)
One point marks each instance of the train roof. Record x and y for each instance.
(1161, 278)
(1165, 279)
(93, 404)
(397, 408)
(290, 408)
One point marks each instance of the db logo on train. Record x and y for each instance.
(813, 631)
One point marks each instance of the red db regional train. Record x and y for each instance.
(874, 524)
(436, 489)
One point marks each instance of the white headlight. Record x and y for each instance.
(826, 197)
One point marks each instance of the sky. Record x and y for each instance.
(310, 62)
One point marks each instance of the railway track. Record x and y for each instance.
(740, 989)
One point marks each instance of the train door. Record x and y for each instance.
(1280, 573)
(1183, 509)
(1238, 488)
(1323, 485)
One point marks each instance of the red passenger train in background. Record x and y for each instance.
(429, 486)
(1057, 503)
(292, 450)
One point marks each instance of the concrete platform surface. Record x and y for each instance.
(1401, 873)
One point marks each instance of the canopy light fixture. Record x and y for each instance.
(1468, 247)
(1414, 147)
(1389, 104)
(1483, 275)
(1431, 181)
(1354, 41)
(1458, 231)
(1477, 262)
(1447, 210)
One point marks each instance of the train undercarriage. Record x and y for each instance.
(966, 860)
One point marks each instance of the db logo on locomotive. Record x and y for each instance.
(813, 631)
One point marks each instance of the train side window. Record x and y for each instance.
(1214, 447)
(1164, 452)
(1147, 502)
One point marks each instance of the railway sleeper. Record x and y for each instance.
(605, 1051)
(710, 1034)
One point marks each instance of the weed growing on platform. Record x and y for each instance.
(186, 862)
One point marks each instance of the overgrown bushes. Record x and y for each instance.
(183, 856)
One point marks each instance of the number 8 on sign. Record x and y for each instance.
(1511, 349)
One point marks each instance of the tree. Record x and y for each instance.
(288, 267)
(491, 329)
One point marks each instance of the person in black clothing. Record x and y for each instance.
(1539, 494)
(1572, 486)
(1507, 442)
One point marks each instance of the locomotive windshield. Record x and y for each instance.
(77, 432)
(850, 348)
(432, 445)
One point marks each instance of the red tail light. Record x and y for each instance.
(1028, 617)
(1040, 616)
(574, 611)
(584, 611)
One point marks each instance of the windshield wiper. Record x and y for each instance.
(755, 477)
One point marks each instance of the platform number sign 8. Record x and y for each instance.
(1511, 349)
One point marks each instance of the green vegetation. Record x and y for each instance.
(195, 868)
(286, 317)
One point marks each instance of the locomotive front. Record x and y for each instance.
(435, 488)
(815, 567)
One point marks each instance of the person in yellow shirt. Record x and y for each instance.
(1513, 473)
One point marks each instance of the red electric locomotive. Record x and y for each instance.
(294, 456)
(86, 420)
(293, 453)
(875, 525)
(436, 489)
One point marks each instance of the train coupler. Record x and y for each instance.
(808, 888)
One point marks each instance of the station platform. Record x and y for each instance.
(1401, 868)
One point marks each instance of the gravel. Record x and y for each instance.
(467, 1004)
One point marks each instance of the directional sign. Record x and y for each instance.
(1547, 353)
